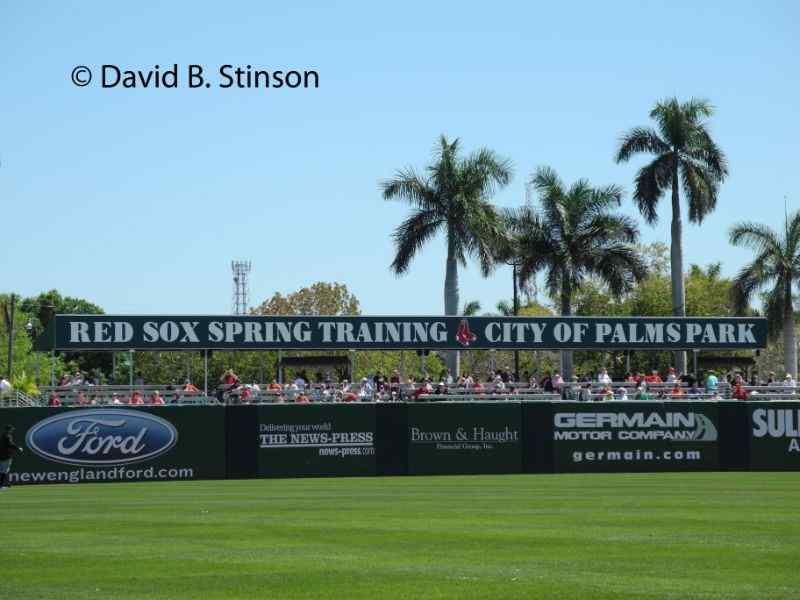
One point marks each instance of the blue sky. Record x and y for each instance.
(139, 199)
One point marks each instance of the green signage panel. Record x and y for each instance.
(460, 438)
(774, 435)
(316, 439)
(117, 444)
(252, 332)
(635, 436)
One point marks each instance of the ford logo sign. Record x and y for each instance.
(101, 437)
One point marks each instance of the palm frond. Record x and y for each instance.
(411, 235)
(651, 182)
(701, 188)
(756, 236)
(640, 140)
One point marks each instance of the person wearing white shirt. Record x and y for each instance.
(604, 377)
(5, 385)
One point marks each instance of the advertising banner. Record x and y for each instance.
(254, 332)
(460, 438)
(316, 439)
(635, 436)
(92, 445)
(774, 435)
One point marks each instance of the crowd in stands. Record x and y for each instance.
(77, 390)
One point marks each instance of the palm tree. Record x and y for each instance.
(685, 157)
(451, 197)
(776, 267)
(572, 236)
(471, 308)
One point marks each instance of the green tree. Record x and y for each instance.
(452, 197)
(775, 269)
(685, 157)
(575, 235)
(321, 298)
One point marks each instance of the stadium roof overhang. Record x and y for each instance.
(119, 333)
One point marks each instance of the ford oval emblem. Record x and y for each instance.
(101, 437)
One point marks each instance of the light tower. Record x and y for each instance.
(241, 285)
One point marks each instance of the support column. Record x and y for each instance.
(205, 372)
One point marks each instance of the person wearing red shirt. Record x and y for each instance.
(230, 378)
(190, 388)
(136, 398)
(53, 400)
(739, 393)
(478, 387)
(677, 390)
(244, 397)
(654, 377)
(301, 399)
(349, 397)
(156, 399)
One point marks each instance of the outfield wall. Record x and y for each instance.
(173, 443)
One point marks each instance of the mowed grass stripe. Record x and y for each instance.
(709, 535)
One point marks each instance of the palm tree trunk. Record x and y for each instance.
(789, 336)
(676, 264)
(451, 302)
(566, 311)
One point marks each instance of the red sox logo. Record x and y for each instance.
(464, 336)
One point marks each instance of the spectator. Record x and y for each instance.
(604, 378)
(622, 394)
(246, 394)
(641, 394)
(585, 394)
(301, 398)
(478, 387)
(136, 398)
(771, 378)
(677, 390)
(671, 377)
(789, 382)
(300, 382)
(547, 383)
(654, 377)
(156, 399)
(115, 399)
(558, 381)
(570, 392)
(189, 388)
(64, 381)
(608, 393)
(5, 385)
(423, 390)
(711, 383)
(694, 390)
(274, 386)
(229, 378)
(54, 400)
(739, 393)
(81, 399)
(754, 380)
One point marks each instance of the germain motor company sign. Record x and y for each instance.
(101, 437)
(99, 332)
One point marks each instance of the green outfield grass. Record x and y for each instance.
(711, 535)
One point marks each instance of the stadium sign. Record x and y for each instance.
(101, 437)
(118, 444)
(464, 438)
(253, 332)
(642, 436)
(775, 435)
(316, 439)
